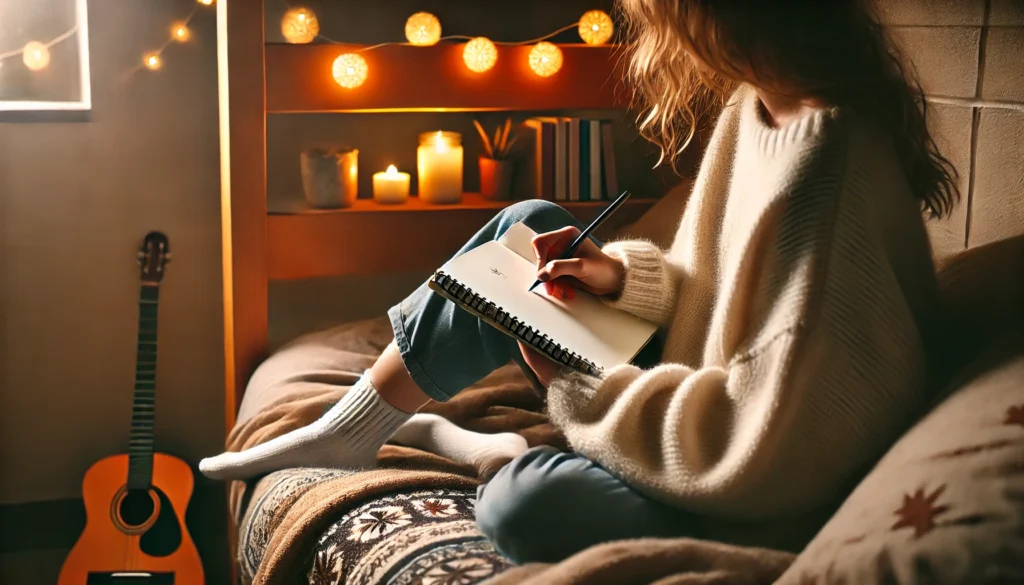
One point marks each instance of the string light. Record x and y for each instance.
(596, 27)
(545, 59)
(35, 55)
(299, 26)
(152, 61)
(349, 70)
(480, 54)
(423, 29)
(180, 32)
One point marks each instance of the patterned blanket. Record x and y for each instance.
(417, 536)
(411, 520)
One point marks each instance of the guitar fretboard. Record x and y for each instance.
(140, 445)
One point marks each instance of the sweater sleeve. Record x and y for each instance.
(789, 404)
(650, 285)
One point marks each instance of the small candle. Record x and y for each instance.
(390, 186)
(439, 162)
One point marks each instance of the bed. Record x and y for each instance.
(411, 519)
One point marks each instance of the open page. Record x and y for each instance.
(583, 324)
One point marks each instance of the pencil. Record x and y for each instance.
(608, 211)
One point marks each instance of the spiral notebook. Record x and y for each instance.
(491, 282)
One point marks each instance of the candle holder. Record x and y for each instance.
(330, 177)
(439, 163)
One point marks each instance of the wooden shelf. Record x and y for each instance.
(431, 79)
(369, 238)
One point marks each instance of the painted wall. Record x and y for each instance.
(76, 199)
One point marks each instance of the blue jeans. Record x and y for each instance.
(545, 505)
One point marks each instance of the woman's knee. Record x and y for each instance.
(538, 214)
(515, 509)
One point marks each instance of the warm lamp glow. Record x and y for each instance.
(596, 27)
(152, 61)
(35, 55)
(480, 54)
(299, 26)
(545, 59)
(205, 2)
(180, 32)
(423, 29)
(349, 70)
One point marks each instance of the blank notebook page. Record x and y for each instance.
(502, 271)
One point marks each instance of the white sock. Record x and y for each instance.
(436, 434)
(347, 435)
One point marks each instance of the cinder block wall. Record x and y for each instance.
(969, 55)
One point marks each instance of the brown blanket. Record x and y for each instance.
(302, 380)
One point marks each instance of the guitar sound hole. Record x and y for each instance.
(136, 507)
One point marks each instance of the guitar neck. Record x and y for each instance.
(140, 445)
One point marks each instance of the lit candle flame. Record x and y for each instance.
(440, 145)
(392, 172)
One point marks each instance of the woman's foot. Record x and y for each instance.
(347, 435)
(487, 453)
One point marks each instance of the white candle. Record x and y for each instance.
(391, 186)
(439, 162)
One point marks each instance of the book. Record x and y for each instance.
(595, 161)
(583, 333)
(574, 159)
(584, 170)
(539, 182)
(562, 159)
(608, 146)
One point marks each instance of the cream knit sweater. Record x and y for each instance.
(794, 300)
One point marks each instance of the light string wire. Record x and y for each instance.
(74, 29)
(159, 52)
(565, 28)
(62, 37)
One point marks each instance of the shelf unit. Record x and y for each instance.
(427, 235)
(257, 79)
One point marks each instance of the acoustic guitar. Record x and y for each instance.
(135, 502)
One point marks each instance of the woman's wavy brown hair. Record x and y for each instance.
(686, 56)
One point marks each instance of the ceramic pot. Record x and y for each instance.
(496, 179)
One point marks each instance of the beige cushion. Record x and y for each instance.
(946, 504)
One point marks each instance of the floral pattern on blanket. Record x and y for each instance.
(424, 537)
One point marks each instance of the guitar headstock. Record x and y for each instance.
(153, 257)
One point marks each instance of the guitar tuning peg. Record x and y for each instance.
(167, 257)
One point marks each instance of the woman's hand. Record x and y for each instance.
(589, 269)
(545, 369)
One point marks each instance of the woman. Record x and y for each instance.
(795, 300)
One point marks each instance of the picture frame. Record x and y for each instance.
(68, 88)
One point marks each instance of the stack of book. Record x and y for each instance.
(573, 160)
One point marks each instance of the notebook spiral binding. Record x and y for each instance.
(487, 310)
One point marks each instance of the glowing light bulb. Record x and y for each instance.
(205, 2)
(349, 70)
(480, 54)
(35, 55)
(545, 59)
(299, 26)
(596, 27)
(180, 32)
(423, 29)
(152, 61)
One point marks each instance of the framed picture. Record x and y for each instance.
(44, 56)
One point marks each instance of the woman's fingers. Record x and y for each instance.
(574, 267)
(551, 244)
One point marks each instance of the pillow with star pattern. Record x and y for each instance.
(946, 504)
